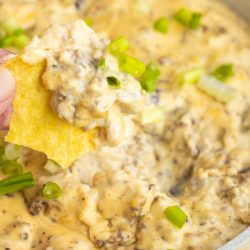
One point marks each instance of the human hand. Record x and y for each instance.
(7, 92)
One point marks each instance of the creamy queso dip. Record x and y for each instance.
(196, 156)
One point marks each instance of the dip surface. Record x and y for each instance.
(196, 155)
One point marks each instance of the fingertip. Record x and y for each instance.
(5, 119)
(3, 54)
(7, 84)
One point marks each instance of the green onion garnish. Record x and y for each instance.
(162, 25)
(11, 168)
(8, 156)
(152, 115)
(223, 72)
(191, 76)
(16, 183)
(148, 81)
(12, 151)
(216, 89)
(102, 63)
(52, 167)
(9, 26)
(89, 21)
(18, 32)
(7, 41)
(51, 191)
(188, 18)
(2, 156)
(184, 16)
(132, 66)
(118, 46)
(21, 41)
(12, 35)
(2, 36)
(127, 63)
(176, 216)
(18, 41)
(195, 21)
(113, 82)
(1, 150)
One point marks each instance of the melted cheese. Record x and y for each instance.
(199, 151)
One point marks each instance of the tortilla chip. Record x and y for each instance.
(33, 123)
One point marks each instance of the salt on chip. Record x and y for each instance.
(33, 123)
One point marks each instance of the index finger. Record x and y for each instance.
(3, 54)
(7, 84)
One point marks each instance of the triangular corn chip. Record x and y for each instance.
(33, 123)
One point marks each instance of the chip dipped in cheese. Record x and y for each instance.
(33, 123)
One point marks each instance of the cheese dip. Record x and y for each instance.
(171, 165)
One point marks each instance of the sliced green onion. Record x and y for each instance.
(1, 150)
(9, 26)
(12, 151)
(1, 138)
(2, 159)
(7, 41)
(8, 155)
(184, 16)
(89, 21)
(121, 58)
(216, 89)
(2, 34)
(191, 76)
(21, 41)
(223, 72)
(17, 178)
(51, 190)
(118, 46)
(127, 63)
(152, 115)
(2, 156)
(148, 81)
(102, 63)
(16, 183)
(12, 35)
(176, 216)
(18, 39)
(19, 186)
(162, 25)
(18, 32)
(52, 167)
(11, 168)
(188, 18)
(113, 82)
(195, 21)
(132, 66)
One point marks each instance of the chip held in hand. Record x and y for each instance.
(33, 124)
